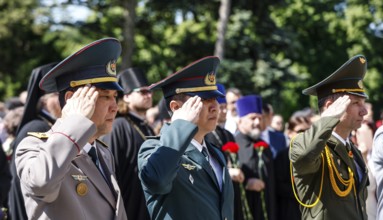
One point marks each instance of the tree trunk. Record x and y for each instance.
(224, 13)
(128, 44)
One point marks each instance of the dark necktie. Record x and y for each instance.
(93, 154)
(205, 153)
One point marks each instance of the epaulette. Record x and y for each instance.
(102, 143)
(40, 135)
(153, 137)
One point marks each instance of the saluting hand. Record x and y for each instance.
(189, 111)
(337, 108)
(82, 102)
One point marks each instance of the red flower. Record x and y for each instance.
(260, 144)
(231, 147)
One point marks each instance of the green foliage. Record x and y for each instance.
(273, 48)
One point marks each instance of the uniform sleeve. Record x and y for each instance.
(377, 167)
(306, 147)
(158, 160)
(42, 164)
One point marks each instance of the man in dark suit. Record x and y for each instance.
(129, 132)
(184, 177)
(67, 173)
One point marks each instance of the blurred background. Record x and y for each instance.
(274, 48)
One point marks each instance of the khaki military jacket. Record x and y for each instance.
(58, 182)
(308, 168)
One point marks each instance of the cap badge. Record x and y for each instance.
(210, 79)
(362, 60)
(111, 67)
(360, 84)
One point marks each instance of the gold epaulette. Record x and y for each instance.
(40, 135)
(102, 143)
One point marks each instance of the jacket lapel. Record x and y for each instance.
(359, 160)
(341, 150)
(216, 153)
(85, 163)
(195, 155)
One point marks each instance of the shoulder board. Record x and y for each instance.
(39, 135)
(102, 143)
(153, 137)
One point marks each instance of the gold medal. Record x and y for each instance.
(82, 189)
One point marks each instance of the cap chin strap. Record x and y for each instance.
(91, 81)
(196, 89)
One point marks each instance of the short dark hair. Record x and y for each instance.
(178, 97)
(332, 97)
(62, 95)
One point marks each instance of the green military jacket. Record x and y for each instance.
(308, 166)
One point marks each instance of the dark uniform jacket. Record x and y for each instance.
(219, 137)
(305, 155)
(177, 179)
(250, 165)
(125, 140)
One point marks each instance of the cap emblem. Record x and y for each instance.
(210, 79)
(111, 67)
(360, 84)
(362, 60)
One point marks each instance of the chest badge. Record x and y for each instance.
(188, 166)
(81, 189)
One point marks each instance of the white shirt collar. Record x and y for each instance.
(340, 138)
(198, 145)
(87, 147)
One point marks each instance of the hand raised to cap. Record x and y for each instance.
(338, 107)
(82, 102)
(189, 111)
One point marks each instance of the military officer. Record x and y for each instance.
(66, 173)
(184, 177)
(328, 171)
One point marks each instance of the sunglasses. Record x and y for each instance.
(142, 91)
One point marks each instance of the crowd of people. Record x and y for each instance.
(87, 142)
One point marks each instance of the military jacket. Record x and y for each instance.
(58, 182)
(178, 181)
(309, 166)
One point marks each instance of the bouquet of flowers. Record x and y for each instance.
(260, 146)
(231, 149)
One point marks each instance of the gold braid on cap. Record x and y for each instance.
(347, 90)
(93, 80)
(196, 89)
